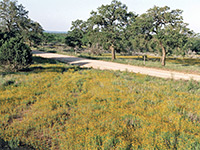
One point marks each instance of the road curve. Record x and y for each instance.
(103, 65)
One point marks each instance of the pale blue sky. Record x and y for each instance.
(57, 15)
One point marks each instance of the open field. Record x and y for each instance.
(187, 65)
(55, 106)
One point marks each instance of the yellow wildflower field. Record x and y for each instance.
(54, 106)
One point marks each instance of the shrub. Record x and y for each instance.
(14, 53)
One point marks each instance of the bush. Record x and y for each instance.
(14, 53)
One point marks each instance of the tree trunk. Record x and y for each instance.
(75, 51)
(144, 59)
(163, 54)
(113, 52)
(30, 44)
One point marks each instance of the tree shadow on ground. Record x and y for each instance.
(141, 59)
(38, 52)
(51, 51)
(40, 60)
(186, 61)
(94, 58)
(68, 50)
(57, 69)
(40, 67)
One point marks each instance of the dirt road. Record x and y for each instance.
(103, 65)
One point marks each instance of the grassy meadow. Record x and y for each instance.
(56, 106)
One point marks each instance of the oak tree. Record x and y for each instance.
(109, 23)
(16, 29)
(164, 27)
(14, 18)
(75, 35)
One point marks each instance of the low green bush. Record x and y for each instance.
(15, 55)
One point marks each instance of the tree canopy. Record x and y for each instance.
(75, 36)
(16, 30)
(14, 18)
(164, 27)
(114, 28)
(110, 22)
(104, 28)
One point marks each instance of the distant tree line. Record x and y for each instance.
(113, 28)
(53, 38)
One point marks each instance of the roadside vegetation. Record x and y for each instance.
(76, 108)
(187, 64)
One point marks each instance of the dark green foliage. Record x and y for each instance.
(13, 144)
(109, 24)
(14, 53)
(16, 29)
(54, 38)
(113, 28)
(14, 18)
(34, 35)
(195, 44)
(105, 29)
(164, 28)
(48, 38)
(75, 37)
